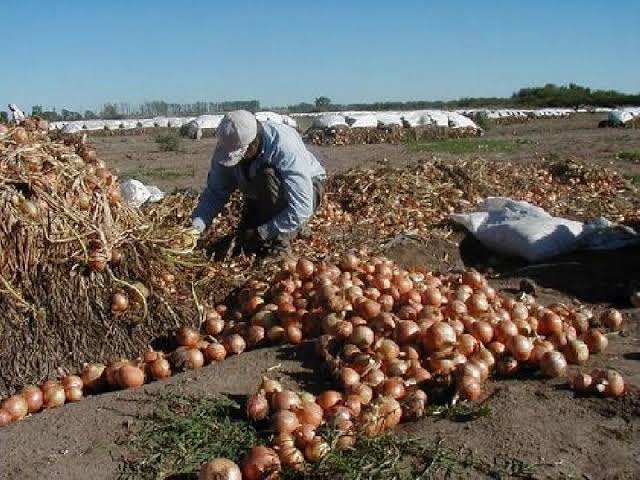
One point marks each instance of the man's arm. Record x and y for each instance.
(220, 184)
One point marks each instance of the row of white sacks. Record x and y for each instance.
(516, 113)
(624, 115)
(201, 122)
(415, 118)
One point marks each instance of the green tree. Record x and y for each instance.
(4, 117)
(89, 115)
(323, 103)
(36, 110)
(110, 112)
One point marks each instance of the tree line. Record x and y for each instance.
(156, 108)
(548, 96)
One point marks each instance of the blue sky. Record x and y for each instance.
(80, 54)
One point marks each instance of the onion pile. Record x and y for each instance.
(608, 383)
(392, 339)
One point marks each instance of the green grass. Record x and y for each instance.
(158, 173)
(168, 142)
(630, 156)
(633, 178)
(184, 433)
(459, 146)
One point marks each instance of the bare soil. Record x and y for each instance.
(537, 423)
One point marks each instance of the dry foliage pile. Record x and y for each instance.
(393, 135)
(71, 252)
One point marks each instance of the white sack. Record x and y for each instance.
(521, 229)
(134, 192)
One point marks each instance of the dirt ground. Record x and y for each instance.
(532, 422)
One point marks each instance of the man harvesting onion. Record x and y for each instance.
(281, 180)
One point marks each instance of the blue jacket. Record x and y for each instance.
(284, 151)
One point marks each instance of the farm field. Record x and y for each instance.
(523, 426)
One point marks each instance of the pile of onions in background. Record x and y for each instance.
(393, 340)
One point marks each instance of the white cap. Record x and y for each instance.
(235, 132)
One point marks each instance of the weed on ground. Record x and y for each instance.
(185, 433)
(458, 146)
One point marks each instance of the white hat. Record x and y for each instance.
(235, 132)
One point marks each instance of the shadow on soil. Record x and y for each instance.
(594, 277)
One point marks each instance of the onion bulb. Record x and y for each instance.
(187, 337)
(612, 319)
(257, 406)
(520, 347)
(576, 352)
(316, 450)
(159, 369)
(553, 364)
(187, 358)
(215, 352)
(33, 395)
(260, 463)
(220, 469)
(285, 400)
(234, 344)
(54, 397)
(328, 399)
(130, 376)
(17, 406)
(310, 413)
(596, 341)
(469, 388)
(285, 421)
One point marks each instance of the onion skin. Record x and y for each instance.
(220, 469)
(92, 376)
(159, 369)
(257, 407)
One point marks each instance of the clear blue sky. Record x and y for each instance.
(80, 54)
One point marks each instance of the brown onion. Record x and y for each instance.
(130, 376)
(187, 358)
(328, 399)
(303, 435)
(614, 384)
(187, 337)
(596, 341)
(270, 386)
(215, 352)
(159, 369)
(316, 450)
(17, 406)
(439, 336)
(260, 463)
(33, 395)
(553, 364)
(54, 397)
(220, 469)
(612, 319)
(394, 388)
(310, 413)
(257, 407)
(285, 421)
(576, 352)
(469, 388)
(362, 336)
(119, 302)
(520, 347)
(92, 376)
(285, 400)
(73, 393)
(234, 344)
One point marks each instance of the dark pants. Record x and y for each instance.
(271, 201)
